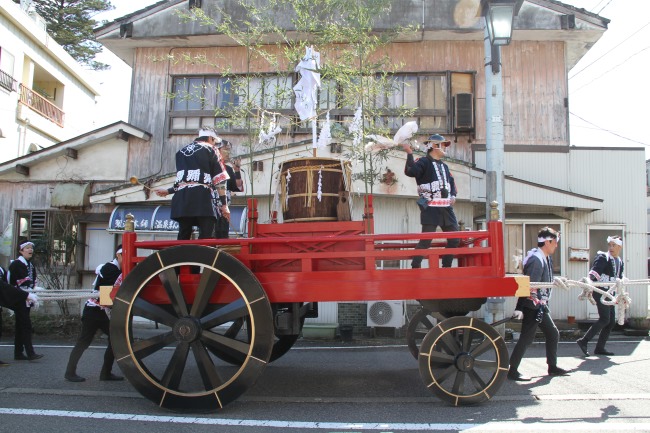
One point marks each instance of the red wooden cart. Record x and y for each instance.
(224, 308)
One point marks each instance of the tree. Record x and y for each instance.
(55, 257)
(342, 30)
(71, 23)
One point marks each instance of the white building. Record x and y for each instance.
(45, 96)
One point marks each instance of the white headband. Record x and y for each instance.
(209, 133)
(118, 251)
(548, 238)
(25, 244)
(617, 241)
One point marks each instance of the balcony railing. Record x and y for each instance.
(8, 82)
(41, 105)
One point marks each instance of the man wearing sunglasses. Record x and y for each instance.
(437, 192)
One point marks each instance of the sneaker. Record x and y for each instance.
(20, 357)
(557, 371)
(74, 378)
(4, 364)
(34, 356)
(111, 377)
(583, 346)
(515, 375)
(603, 352)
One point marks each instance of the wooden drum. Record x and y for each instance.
(303, 180)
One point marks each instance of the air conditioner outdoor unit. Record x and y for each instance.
(385, 314)
(463, 111)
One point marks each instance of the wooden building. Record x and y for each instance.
(441, 70)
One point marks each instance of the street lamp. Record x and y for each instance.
(499, 16)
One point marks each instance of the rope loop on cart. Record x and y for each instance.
(614, 295)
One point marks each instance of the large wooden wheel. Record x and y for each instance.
(463, 361)
(240, 328)
(420, 324)
(196, 315)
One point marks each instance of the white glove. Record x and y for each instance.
(518, 315)
(32, 301)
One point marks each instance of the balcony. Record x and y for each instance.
(8, 82)
(41, 105)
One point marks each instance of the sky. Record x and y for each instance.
(608, 89)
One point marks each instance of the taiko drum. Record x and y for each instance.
(300, 181)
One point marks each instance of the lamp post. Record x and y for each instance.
(499, 16)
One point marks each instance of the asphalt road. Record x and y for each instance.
(335, 387)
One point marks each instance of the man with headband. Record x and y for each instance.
(199, 171)
(607, 267)
(22, 274)
(533, 310)
(437, 191)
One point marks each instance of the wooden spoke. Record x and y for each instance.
(170, 335)
(463, 360)
(174, 291)
(419, 325)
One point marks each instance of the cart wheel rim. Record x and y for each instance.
(463, 361)
(418, 327)
(173, 365)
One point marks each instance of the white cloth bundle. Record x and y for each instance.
(404, 133)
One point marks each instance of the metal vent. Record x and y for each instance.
(37, 225)
(464, 111)
(126, 30)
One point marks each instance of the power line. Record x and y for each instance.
(608, 131)
(601, 9)
(609, 70)
(612, 49)
(596, 5)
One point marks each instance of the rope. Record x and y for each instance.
(63, 295)
(616, 295)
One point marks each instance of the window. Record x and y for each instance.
(222, 101)
(426, 95)
(53, 233)
(7, 80)
(522, 237)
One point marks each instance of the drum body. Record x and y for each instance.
(310, 187)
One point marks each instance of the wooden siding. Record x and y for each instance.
(534, 91)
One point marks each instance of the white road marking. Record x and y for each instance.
(502, 426)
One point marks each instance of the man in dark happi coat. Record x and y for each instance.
(13, 298)
(199, 171)
(606, 268)
(437, 192)
(534, 310)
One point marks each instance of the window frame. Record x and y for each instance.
(210, 118)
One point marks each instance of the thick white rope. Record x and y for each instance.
(616, 294)
(62, 295)
(40, 295)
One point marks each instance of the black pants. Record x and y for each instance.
(24, 330)
(426, 243)
(92, 320)
(604, 325)
(185, 225)
(529, 326)
(221, 228)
